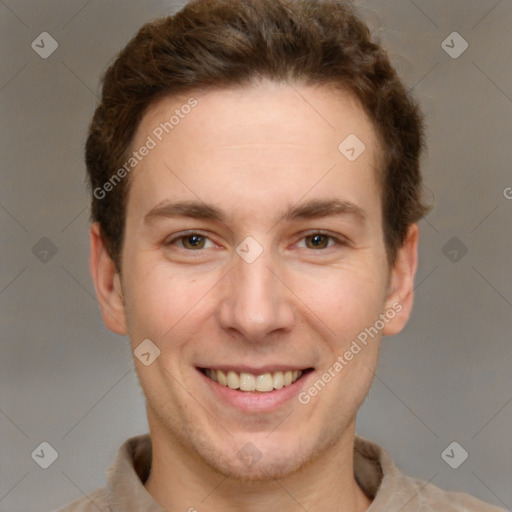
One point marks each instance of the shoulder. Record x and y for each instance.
(93, 502)
(420, 495)
(390, 489)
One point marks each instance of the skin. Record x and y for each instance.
(253, 152)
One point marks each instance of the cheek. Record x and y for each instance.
(156, 301)
(169, 307)
(350, 305)
(346, 299)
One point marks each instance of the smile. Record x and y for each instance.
(263, 383)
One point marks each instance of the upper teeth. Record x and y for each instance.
(249, 382)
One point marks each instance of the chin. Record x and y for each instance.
(266, 469)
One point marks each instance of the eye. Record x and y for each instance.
(190, 241)
(319, 240)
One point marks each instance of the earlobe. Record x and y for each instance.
(401, 286)
(106, 283)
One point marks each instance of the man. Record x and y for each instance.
(256, 191)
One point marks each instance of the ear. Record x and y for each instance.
(106, 283)
(401, 283)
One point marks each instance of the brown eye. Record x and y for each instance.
(317, 241)
(190, 241)
(193, 241)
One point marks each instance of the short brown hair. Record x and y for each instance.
(224, 43)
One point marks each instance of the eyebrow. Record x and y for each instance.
(313, 209)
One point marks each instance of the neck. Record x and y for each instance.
(179, 480)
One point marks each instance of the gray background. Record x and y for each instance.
(65, 379)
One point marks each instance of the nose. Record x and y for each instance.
(257, 303)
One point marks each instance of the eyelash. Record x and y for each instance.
(338, 241)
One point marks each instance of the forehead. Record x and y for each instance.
(234, 114)
(270, 139)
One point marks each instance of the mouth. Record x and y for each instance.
(255, 382)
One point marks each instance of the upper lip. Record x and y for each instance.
(256, 370)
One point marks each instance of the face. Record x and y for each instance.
(254, 255)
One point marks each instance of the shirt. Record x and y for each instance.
(374, 470)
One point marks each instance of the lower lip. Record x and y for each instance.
(254, 401)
